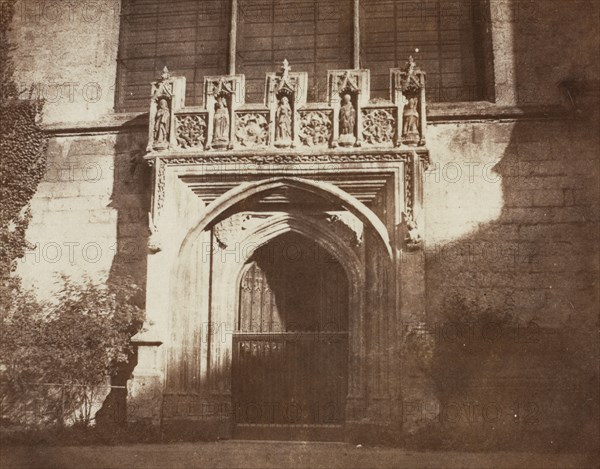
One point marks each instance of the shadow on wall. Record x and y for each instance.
(131, 199)
(514, 306)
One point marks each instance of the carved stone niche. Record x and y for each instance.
(348, 94)
(222, 96)
(167, 96)
(408, 93)
(286, 93)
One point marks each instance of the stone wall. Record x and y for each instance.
(512, 280)
(511, 206)
(66, 54)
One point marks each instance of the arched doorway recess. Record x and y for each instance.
(290, 346)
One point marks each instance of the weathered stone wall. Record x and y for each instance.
(511, 235)
(66, 53)
(512, 280)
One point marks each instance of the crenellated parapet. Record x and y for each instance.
(286, 120)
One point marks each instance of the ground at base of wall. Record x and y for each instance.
(367, 436)
(268, 454)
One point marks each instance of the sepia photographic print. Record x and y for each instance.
(300, 234)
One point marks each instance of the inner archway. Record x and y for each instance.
(290, 346)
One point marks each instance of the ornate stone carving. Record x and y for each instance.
(350, 228)
(167, 96)
(233, 229)
(252, 129)
(162, 124)
(412, 237)
(408, 91)
(347, 121)
(160, 189)
(283, 123)
(221, 123)
(379, 126)
(161, 111)
(286, 93)
(348, 81)
(315, 128)
(408, 188)
(352, 82)
(348, 94)
(222, 87)
(164, 87)
(154, 243)
(291, 158)
(410, 127)
(410, 80)
(190, 130)
(286, 83)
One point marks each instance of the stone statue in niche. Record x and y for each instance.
(283, 122)
(162, 121)
(221, 124)
(410, 128)
(347, 121)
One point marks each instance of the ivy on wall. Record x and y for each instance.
(22, 156)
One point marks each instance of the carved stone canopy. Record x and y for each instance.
(223, 87)
(286, 119)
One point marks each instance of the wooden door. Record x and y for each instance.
(291, 344)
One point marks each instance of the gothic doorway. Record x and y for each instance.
(290, 346)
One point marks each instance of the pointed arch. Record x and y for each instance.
(321, 189)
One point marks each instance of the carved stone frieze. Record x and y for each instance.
(315, 128)
(347, 119)
(190, 130)
(233, 229)
(408, 188)
(252, 129)
(154, 244)
(290, 158)
(160, 189)
(379, 126)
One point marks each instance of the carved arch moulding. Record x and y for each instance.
(387, 183)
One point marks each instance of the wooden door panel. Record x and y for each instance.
(290, 351)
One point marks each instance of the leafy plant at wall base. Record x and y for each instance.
(74, 344)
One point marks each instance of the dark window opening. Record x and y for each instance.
(314, 36)
(447, 35)
(191, 37)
